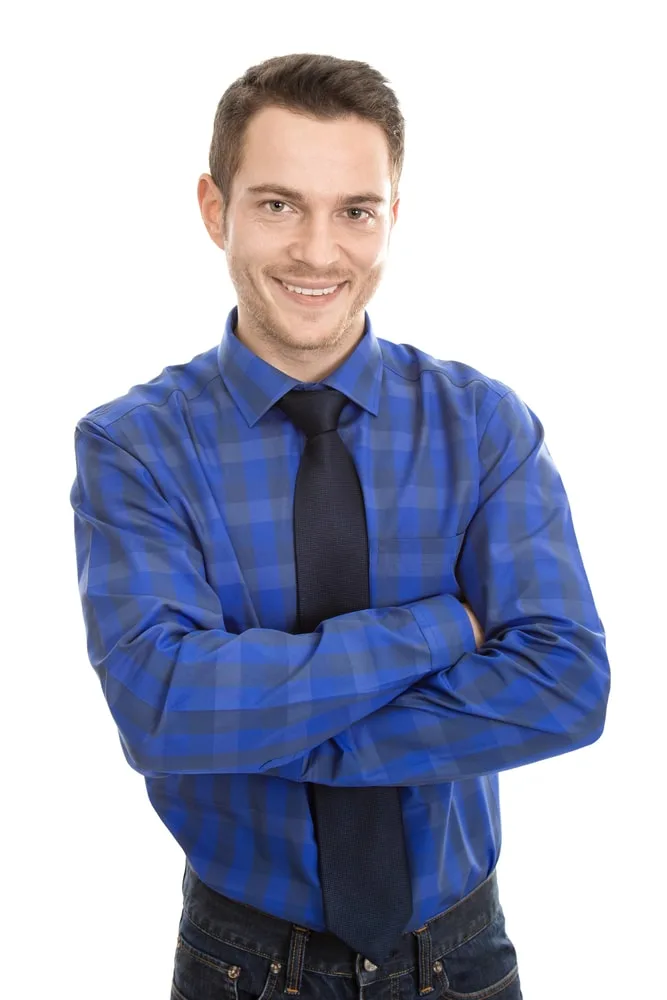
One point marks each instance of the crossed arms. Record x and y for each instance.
(384, 696)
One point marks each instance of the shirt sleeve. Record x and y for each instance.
(187, 696)
(539, 684)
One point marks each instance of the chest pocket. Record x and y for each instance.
(409, 569)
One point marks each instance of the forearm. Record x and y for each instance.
(207, 701)
(538, 692)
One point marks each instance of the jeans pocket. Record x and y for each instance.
(208, 968)
(483, 966)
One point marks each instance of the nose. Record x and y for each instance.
(316, 245)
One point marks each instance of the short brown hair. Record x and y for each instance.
(321, 86)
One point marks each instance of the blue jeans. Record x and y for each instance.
(230, 951)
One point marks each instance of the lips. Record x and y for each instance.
(310, 301)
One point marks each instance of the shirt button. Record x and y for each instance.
(368, 965)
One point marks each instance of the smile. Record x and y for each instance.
(310, 301)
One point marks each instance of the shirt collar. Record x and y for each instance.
(255, 385)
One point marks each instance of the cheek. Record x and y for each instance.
(370, 252)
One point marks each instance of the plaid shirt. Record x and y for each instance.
(183, 517)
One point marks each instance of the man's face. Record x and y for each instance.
(271, 235)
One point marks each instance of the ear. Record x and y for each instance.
(211, 208)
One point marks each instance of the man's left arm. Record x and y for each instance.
(539, 684)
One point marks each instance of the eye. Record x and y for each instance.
(274, 201)
(369, 214)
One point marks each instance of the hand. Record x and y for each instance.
(476, 627)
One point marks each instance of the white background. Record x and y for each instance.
(530, 244)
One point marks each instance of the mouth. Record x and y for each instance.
(310, 301)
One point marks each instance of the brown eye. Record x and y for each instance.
(369, 214)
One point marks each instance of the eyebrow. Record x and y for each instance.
(366, 197)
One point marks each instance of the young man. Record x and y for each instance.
(331, 585)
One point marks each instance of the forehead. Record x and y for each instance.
(295, 146)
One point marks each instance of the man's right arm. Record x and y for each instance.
(187, 696)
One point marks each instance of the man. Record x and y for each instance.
(331, 585)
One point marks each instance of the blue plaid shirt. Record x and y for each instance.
(183, 507)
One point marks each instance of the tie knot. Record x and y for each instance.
(314, 411)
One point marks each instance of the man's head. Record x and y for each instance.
(308, 129)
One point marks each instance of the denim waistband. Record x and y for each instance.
(294, 947)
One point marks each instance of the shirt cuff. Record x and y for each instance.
(446, 627)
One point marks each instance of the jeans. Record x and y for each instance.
(230, 951)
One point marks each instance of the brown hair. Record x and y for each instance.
(321, 86)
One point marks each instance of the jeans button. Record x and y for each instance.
(368, 965)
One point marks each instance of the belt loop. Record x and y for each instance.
(425, 964)
(297, 951)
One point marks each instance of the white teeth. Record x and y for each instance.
(310, 291)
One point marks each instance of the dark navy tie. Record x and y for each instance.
(363, 862)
